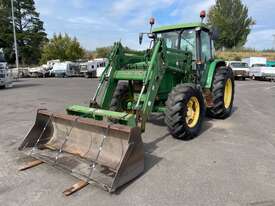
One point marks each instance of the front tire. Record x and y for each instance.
(185, 111)
(120, 98)
(223, 90)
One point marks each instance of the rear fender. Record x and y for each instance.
(207, 80)
(209, 73)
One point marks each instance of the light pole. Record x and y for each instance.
(14, 37)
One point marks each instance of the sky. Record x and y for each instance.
(97, 23)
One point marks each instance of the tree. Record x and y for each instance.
(103, 52)
(6, 36)
(29, 28)
(61, 47)
(231, 19)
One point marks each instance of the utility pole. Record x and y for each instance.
(14, 37)
(273, 45)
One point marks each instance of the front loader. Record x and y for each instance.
(177, 76)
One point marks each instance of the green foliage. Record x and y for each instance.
(103, 52)
(63, 48)
(231, 19)
(29, 29)
(238, 55)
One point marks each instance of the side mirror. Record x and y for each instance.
(214, 32)
(140, 38)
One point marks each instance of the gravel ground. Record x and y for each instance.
(231, 163)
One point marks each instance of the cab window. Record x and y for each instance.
(171, 39)
(188, 40)
(205, 46)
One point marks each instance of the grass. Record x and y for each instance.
(238, 55)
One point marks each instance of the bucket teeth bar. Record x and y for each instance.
(94, 151)
(99, 114)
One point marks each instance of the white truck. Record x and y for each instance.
(240, 69)
(65, 69)
(259, 69)
(5, 74)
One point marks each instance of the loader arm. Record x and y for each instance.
(156, 70)
(150, 76)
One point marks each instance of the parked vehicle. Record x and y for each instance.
(271, 63)
(5, 74)
(262, 71)
(65, 69)
(254, 60)
(101, 64)
(37, 72)
(93, 68)
(88, 69)
(259, 69)
(24, 72)
(49, 66)
(240, 69)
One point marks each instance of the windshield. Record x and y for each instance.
(239, 65)
(183, 40)
(188, 39)
(2, 59)
(171, 39)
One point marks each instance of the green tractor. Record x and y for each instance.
(177, 76)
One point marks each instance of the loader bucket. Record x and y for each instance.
(94, 151)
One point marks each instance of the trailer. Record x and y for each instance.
(65, 69)
(36, 72)
(5, 74)
(88, 69)
(49, 66)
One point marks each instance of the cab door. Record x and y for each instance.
(205, 54)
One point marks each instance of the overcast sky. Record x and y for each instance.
(99, 23)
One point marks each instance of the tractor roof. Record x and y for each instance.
(179, 26)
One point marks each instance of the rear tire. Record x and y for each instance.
(222, 93)
(185, 111)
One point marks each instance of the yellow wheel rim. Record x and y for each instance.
(193, 112)
(227, 94)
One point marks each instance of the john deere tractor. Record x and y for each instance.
(177, 75)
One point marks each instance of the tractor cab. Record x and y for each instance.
(194, 38)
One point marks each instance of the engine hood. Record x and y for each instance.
(240, 69)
